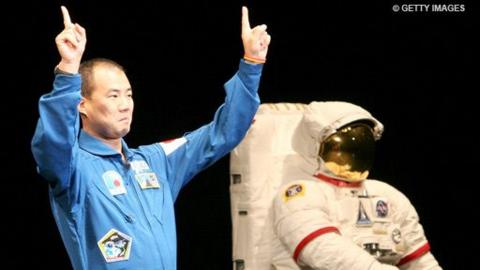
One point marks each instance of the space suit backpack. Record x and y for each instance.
(278, 149)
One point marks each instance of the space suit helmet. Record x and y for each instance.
(345, 136)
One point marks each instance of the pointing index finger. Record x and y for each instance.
(66, 18)
(245, 20)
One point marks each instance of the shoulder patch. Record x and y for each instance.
(293, 191)
(172, 145)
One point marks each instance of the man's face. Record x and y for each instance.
(108, 111)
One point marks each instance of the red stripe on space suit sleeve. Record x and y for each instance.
(310, 237)
(414, 255)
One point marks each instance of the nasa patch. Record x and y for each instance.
(381, 207)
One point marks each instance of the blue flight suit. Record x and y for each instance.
(113, 214)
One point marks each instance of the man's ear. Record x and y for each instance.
(81, 107)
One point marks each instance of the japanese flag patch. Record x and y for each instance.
(114, 182)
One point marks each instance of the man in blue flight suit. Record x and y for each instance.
(113, 204)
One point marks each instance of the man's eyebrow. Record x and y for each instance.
(119, 90)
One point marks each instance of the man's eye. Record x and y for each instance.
(113, 96)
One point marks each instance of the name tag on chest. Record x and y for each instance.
(145, 177)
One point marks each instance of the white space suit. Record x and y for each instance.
(292, 211)
(336, 219)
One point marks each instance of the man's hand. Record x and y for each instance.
(70, 44)
(255, 41)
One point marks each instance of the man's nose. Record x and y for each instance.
(124, 103)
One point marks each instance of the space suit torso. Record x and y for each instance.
(368, 214)
(372, 214)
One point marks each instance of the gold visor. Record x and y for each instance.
(349, 152)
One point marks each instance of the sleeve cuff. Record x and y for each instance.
(58, 71)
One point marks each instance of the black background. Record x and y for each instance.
(412, 70)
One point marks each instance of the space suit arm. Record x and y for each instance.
(418, 255)
(333, 251)
(325, 248)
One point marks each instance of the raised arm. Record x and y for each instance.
(53, 144)
(201, 148)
